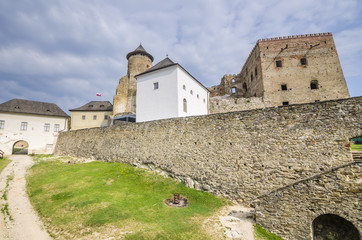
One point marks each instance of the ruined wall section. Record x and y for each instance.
(239, 155)
(290, 211)
(227, 82)
(229, 103)
(321, 64)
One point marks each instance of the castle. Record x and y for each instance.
(282, 71)
(292, 164)
(279, 71)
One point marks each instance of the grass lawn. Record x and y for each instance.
(262, 234)
(114, 200)
(3, 163)
(356, 147)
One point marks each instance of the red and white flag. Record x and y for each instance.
(98, 94)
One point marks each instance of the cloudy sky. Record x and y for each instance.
(65, 51)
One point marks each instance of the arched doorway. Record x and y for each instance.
(334, 227)
(20, 147)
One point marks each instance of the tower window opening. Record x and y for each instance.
(279, 63)
(303, 61)
(94, 117)
(155, 85)
(256, 72)
(285, 103)
(185, 105)
(184, 87)
(284, 87)
(245, 87)
(233, 90)
(314, 84)
(191, 92)
(251, 77)
(233, 80)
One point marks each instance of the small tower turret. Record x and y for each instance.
(124, 101)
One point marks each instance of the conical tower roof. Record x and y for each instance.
(140, 50)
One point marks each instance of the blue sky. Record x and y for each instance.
(66, 51)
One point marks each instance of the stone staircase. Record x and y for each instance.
(357, 156)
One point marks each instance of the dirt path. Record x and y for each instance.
(18, 220)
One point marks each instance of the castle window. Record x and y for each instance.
(185, 105)
(303, 61)
(83, 117)
(56, 127)
(198, 96)
(94, 117)
(46, 127)
(245, 87)
(90, 106)
(233, 90)
(184, 87)
(317, 101)
(279, 63)
(251, 77)
(155, 85)
(256, 72)
(314, 84)
(191, 92)
(102, 105)
(233, 80)
(2, 124)
(285, 103)
(284, 87)
(105, 117)
(24, 126)
(204, 100)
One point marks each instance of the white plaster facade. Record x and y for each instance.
(161, 94)
(40, 140)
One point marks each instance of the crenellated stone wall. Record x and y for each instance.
(239, 155)
(291, 210)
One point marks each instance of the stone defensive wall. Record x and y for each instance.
(291, 211)
(239, 155)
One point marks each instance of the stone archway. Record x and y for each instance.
(20, 147)
(334, 227)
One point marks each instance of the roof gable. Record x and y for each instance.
(32, 107)
(95, 106)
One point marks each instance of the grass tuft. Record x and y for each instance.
(263, 234)
(3, 163)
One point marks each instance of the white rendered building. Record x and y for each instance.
(36, 123)
(167, 90)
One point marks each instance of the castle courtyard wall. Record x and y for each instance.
(291, 210)
(239, 155)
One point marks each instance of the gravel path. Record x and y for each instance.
(19, 222)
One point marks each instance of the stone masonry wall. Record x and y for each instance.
(229, 103)
(239, 155)
(290, 211)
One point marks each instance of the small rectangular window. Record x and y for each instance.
(101, 105)
(251, 77)
(2, 124)
(303, 61)
(256, 72)
(56, 127)
(46, 127)
(285, 103)
(233, 90)
(105, 117)
(279, 63)
(284, 87)
(94, 117)
(83, 117)
(24, 126)
(155, 85)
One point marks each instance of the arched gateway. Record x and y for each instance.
(334, 227)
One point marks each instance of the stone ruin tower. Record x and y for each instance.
(124, 102)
